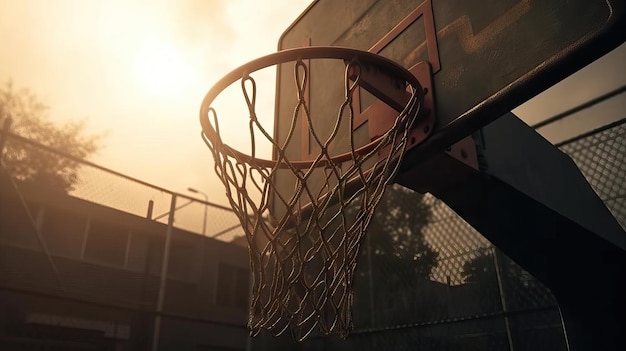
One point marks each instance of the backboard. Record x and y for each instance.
(485, 60)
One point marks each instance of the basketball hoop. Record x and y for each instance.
(304, 241)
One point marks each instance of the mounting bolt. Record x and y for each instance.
(463, 153)
(426, 129)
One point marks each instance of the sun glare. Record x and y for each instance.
(160, 70)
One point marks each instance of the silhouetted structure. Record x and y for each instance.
(99, 286)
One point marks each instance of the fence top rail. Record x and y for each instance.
(11, 135)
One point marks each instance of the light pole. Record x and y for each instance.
(206, 199)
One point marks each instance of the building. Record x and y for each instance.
(96, 284)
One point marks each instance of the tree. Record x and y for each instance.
(481, 268)
(396, 236)
(32, 164)
(395, 258)
(480, 272)
(520, 288)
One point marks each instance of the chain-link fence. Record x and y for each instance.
(601, 156)
(30, 162)
(434, 283)
(428, 281)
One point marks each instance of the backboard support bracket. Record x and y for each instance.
(382, 113)
(458, 162)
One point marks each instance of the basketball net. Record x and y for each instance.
(303, 255)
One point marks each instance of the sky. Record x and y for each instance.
(138, 70)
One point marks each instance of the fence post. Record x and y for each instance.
(507, 323)
(163, 281)
(150, 208)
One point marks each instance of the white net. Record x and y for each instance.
(303, 257)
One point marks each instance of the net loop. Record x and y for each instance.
(302, 78)
(352, 78)
(250, 97)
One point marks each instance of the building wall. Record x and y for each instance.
(102, 277)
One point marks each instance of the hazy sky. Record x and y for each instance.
(138, 70)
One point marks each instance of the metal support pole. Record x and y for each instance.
(163, 281)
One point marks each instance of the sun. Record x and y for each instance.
(160, 70)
